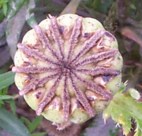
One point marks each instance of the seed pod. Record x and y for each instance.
(68, 68)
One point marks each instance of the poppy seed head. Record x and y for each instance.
(68, 68)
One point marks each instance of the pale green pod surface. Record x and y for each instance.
(68, 68)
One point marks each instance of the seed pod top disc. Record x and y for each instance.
(68, 68)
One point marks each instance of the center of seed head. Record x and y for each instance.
(66, 65)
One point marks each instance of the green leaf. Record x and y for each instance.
(39, 134)
(6, 79)
(5, 97)
(10, 100)
(99, 5)
(3, 92)
(122, 109)
(12, 124)
(14, 7)
(34, 124)
(1, 15)
(26, 121)
(12, 106)
(5, 8)
(30, 17)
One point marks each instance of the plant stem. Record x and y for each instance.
(71, 7)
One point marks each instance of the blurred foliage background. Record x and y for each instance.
(123, 18)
